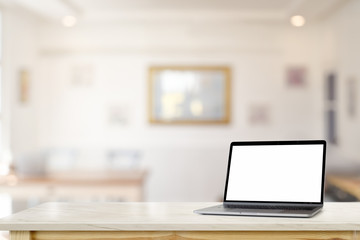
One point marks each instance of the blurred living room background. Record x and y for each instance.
(75, 86)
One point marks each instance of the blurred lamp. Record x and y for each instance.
(297, 21)
(69, 21)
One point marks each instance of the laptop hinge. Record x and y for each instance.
(273, 204)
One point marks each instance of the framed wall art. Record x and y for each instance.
(189, 95)
(352, 98)
(24, 85)
(296, 76)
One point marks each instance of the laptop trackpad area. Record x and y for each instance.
(259, 211)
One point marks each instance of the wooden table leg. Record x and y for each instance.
(20, 235)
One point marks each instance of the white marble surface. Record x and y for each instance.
(169, 216)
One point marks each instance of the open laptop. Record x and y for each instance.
(273, 178)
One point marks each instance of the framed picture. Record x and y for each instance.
(331, 111)
(352, 86)
(24, 84)
(296, 76)
(259, 114)
(189, 95)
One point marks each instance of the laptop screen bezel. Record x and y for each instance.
(264, 143)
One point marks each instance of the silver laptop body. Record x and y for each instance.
(273, 178)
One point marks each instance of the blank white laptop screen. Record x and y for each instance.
(276, 173)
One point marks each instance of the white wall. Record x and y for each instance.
(186, 163)
(347, 32)
(19, 52)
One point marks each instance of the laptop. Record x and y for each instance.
(273, 178)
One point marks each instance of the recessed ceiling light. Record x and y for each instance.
(69, 21)
(297, 21)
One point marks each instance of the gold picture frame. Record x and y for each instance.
(189, 94)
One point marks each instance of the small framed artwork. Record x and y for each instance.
(331, 114)
(259, 114)
(352, 86)
(82, 75)
(24, 84)
(118, 115)
(331, 87)
(189, 95)
(296, 76)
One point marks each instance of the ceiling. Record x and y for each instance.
(105, 5)
(117, 10)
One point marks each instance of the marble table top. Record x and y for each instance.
(169, 217)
